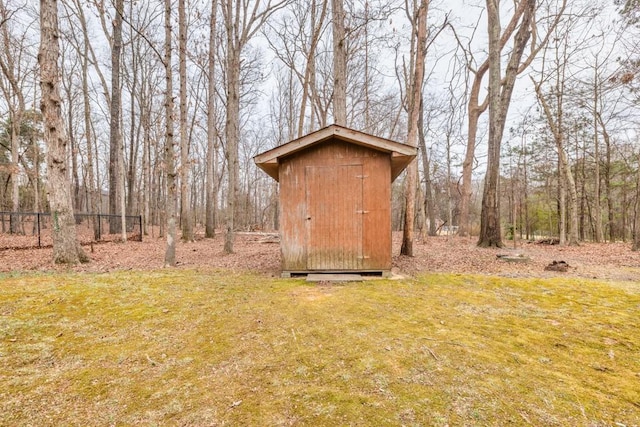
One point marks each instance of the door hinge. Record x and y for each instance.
(362, 176)
(362, 212)
(364, 257)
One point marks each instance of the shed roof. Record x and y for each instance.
(401, 154)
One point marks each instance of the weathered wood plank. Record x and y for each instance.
(336, 208)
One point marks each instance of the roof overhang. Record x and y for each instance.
(401, 154)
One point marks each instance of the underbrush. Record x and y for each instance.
(220, 348)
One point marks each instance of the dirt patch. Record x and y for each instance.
(260, 252)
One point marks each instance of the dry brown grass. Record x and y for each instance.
(213, 347)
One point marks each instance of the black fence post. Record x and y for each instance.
(16, 218)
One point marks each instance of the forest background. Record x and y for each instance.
(560, 160)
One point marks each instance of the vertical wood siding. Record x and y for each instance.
(334, 218)
(336, 208)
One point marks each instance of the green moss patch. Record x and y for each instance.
(220, 348)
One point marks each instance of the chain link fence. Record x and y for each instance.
(22, 230)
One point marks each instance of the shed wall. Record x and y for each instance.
(342, 222)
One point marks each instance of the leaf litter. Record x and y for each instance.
(260, 253)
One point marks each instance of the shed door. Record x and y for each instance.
(334, 217)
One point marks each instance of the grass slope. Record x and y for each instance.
(218, 348)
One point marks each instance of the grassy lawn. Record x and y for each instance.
(216, 348)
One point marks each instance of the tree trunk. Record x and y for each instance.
(583, 194)
(114, 126)
(15, 169)
(562, 203)
(134, 132)
(212, 134)
(73, 152)
(146, 161)
(625, 210)
(232, 127)
(426, 166)
(415, 96)
(309, 72)
(36, 173)
(525, 199)
(490, 233)
(240, 25)
(91, 184)
(66, 248)
(566, 182)
(122, 183)
(449, 132)
(93, 59)
(232, 134)
(607, 181)
(636, 211)
(597, 207)
(573, 237)
(499, 96)
(474, 110)
(16, 106)
(185, 206)
(339, 64)
(169, 147)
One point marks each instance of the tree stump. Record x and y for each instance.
(560, 266)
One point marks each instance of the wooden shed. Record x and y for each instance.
(335, 199)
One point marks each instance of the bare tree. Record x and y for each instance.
(296, 40)
(308, 83)
(83, 47)
(12, 69)
(552, 104)
(339, 64)
(597, 204)
(169, 144)
(185, 208)
(212, 130)
(143, 77)
(499, 97)
(636, 211)
(70, 71)
(414, 93)
(476, 107)
(429, 205)
(115, 133)
(66, 248)
(242, 20)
